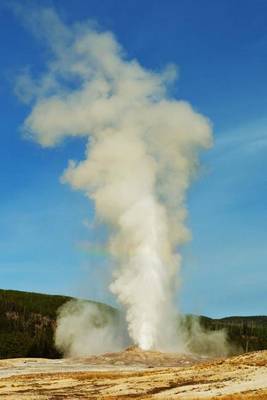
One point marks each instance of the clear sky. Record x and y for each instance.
(220, 48)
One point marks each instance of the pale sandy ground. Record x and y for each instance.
(134, 374)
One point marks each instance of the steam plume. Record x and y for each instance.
(85, 328)
(141, 155)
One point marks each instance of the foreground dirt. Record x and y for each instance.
(134, 374)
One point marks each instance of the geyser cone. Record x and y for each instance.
(134, 356)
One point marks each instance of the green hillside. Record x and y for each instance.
(249, 332)
(27, 324)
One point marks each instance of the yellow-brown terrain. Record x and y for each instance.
(134, 374)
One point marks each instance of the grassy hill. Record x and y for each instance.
(28, 320)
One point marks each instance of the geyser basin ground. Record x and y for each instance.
(136, 374)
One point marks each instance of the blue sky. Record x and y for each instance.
(221, 52)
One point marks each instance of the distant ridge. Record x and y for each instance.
(28, 320)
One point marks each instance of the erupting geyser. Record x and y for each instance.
(141, 154)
